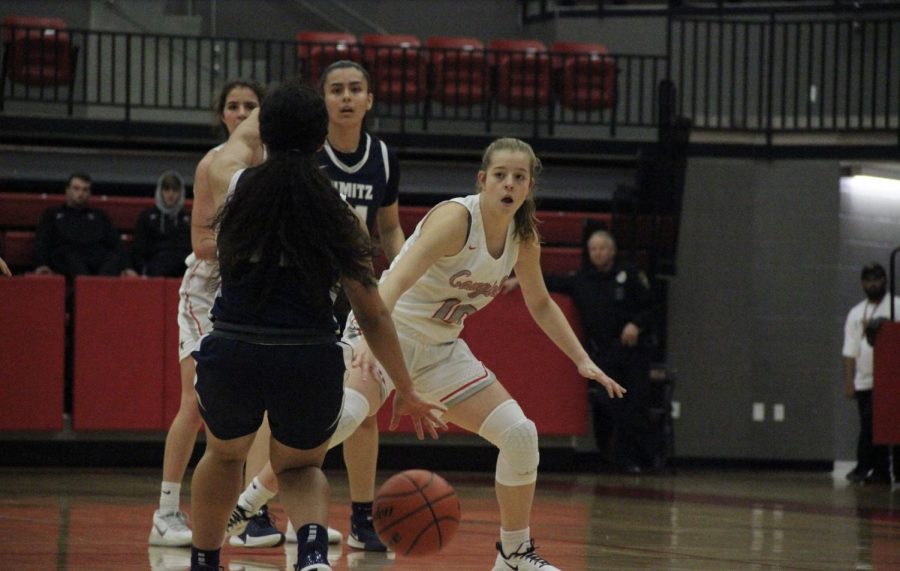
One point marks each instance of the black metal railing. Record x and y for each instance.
(156, 74)
(763, 73)
(772, 75)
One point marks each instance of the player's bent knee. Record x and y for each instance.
(353, 412)
(516, 436)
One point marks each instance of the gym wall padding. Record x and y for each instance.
(119, 354)
(32, 352)
(886, 388)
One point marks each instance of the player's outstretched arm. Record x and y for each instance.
(378, 328)
(547, 314)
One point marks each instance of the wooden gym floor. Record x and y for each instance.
(98, 519)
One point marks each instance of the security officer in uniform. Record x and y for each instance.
(616, 306)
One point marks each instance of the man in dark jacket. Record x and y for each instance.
(616, 306)
(75, 239)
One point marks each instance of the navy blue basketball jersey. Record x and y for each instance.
(368, 177)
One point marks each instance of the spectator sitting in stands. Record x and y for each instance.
(162, 237)
(75, 239)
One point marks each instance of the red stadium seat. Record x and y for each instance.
(522, 71)
(561, 260)
(587, 77)
(567, 228)
(38, 52)
(458, 72)
(122, 210)
(23, 210)
(397, 67)
(318, 50)
(18, 248)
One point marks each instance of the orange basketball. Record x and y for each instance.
(416, 513)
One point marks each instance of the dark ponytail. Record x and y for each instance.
(286, 214)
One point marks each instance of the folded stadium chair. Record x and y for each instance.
(586, 75)
(521, 72)
(318, 50)
(458, 72)
(38, 52)
(397, 67)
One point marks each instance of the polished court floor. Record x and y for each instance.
(98, 519)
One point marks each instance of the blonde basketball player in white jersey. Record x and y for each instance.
(454, 264)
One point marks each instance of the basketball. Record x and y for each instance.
(416, 513)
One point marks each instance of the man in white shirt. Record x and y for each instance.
(872, 461)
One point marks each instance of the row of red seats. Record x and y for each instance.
(126, 375)
(20, 213)
(459, 67)
(39, 51)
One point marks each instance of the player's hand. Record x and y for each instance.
(4, 269)
(591, 371)
(630, 334)
(365, 361)
(849, 392)
(420, 411)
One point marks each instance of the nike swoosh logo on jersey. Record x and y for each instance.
(167, 492)
(471, 247)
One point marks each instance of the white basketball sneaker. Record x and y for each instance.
(170, 530)
(334, 536)
(525, 558)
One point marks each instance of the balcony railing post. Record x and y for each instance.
(127, 77)
(770, 79)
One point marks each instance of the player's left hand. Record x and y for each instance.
(365, 361)
(420, 411)
(591, 371)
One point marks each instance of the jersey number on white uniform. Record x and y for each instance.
(453, 311)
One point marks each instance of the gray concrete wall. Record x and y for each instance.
(753, 309)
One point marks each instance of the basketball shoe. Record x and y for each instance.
(362, 533)
(525, 558)
(238, 521)
(334, 536)
(312, 560)
(170, 530)
(259, 531)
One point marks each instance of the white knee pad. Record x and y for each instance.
(353, 412)
(509, 429)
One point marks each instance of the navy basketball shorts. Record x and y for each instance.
(301, 387)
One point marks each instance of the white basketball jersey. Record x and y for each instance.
(434, 308)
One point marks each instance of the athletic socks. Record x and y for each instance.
(362, 511)
(255, 496)
(511, 540)
(204, 559)
(169, 498)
